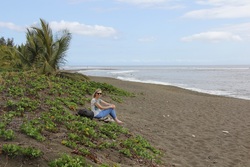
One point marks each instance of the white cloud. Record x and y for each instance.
(73, 27)
(242, 28)
(233, 32)
(83, 29)
(221, 9)
(220, 12)
(12, 26)
(212, 36)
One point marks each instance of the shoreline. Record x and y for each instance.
(171, 85)
(233, 88)
(191, 128)
(186, 88)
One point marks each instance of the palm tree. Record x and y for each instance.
(46, 53)
(42, 53)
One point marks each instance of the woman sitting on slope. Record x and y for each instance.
(101, 108)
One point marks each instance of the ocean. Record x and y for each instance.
(230, 81)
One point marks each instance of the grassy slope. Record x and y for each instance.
(38, 112)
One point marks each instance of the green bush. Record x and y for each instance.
(13, 150)
(32, 152)
(69, 161)
(9, 134)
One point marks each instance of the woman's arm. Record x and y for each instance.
(104, 105)
(108, 104)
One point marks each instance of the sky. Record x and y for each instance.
(139, 32)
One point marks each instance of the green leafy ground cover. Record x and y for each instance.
(38, 125)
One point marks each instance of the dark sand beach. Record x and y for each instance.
(192, 129)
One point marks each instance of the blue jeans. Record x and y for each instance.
(106, 112)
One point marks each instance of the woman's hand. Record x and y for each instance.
(112, 106)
